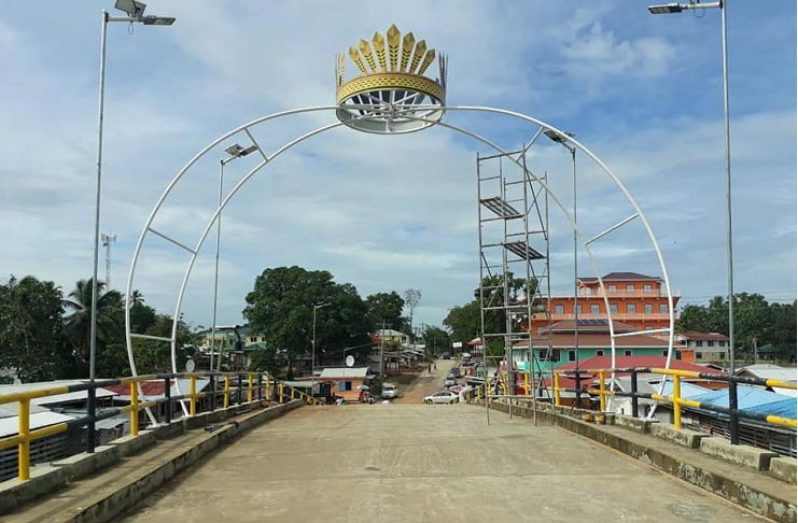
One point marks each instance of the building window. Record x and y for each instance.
(699, 343)
(722, 355)
(631, 308)
(594, 309)
(614, 308)
(627, 353)
(647, 287)
(599, 353)
(663, 308)
(665, 353)
(648, 308)
(559, 309)
(542, 354)
(579, 309)
(571, 355)
(612, 288)
(588, 291)
(253, 339)
(344, 385)
(698, 355)
(630, 288)
(710, 343)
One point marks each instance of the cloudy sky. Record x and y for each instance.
(388, 213)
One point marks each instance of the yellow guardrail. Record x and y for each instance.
(676, 400)
(25, 435)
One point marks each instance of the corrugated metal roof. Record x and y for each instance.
(344, 372)
(10, 425)
(55, 398)
(769, 372)
(753, 399)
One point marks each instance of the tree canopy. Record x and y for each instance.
(755, 321)
(387, 307)
(281, 307)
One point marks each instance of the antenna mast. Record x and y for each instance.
(107, 239)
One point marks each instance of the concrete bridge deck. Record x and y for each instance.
(424, 463)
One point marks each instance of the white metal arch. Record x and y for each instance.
(266, 159)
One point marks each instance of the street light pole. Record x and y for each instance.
(313, 347)
(235, 151)
(734, 436)
(135, 11)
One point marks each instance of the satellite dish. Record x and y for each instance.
(190, 365)
(350, 360)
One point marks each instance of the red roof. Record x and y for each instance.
(623, 276)
(148, 388)
(605, 362)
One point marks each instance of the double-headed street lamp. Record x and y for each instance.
(135, 14)
(234, 151)
(678, 8)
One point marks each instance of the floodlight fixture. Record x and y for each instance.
(131, 7)
(157, 20)
(675, 7)
(237, 151)
(558, 137)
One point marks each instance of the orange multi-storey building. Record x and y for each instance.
(635, 299)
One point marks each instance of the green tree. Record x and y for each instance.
(31, 330)
(387, 307)
(281, 307)
(110, 320)
(437, 340)
(463, 322)
(783, 330)
(156, 356)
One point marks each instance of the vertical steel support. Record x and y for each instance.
(134, 409)
(260, 387)
(677, 406)
(212, 388)
(634, 392)
(576, 285)
(226, 399)
(167, 393)
(578, 383)
(250, 390)
(23, 449)
(602, 392)
(91, 437)
(280, 392)
(192, 410)
(556, 390)
(216, 269)
(734, 416)
(239, 388)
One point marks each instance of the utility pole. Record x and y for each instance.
(382, 353)
(107, 240)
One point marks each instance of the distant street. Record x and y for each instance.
(426, 383)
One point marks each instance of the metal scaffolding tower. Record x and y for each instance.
(513, 265)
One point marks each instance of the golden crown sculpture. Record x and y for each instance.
(391, 94)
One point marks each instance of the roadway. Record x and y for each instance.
(396, 463)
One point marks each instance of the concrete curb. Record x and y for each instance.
(748, 496)
(47, 479)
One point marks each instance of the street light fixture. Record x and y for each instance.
(562, 139)
(234, 151)
(734, 435)
(135, 12)
(313, 348)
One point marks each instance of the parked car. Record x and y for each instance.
(446, 356)
(449, 381)
(389, 391)
(455, 372)
(442, 397)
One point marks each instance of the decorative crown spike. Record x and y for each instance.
(379, 48)
(421, 48)
(393, 46)
(365, 49)
(407, 47)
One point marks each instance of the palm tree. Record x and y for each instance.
(110, 319)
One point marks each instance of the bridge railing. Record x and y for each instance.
(676, 400)
(256, 386)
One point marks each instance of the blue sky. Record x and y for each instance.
(387, 213)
